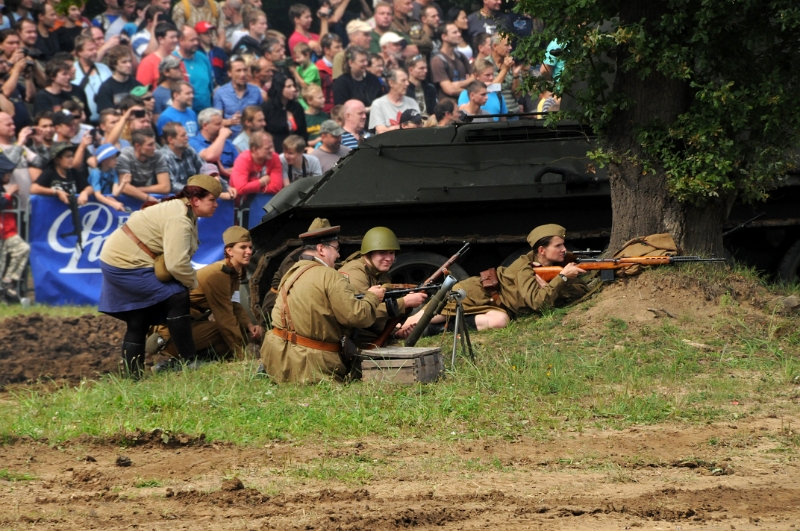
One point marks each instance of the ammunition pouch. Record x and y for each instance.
(491, 285)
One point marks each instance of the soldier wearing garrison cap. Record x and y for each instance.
(370, 267)
(313, 316)
(517, 289)
(220, 324)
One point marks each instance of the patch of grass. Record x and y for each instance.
(9, 475)
(147, 483)
(52, 311)
(537, 376)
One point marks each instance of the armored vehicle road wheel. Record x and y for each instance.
(416, 267)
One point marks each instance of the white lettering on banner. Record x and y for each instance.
(98, 224)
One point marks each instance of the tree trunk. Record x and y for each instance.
(641, 203)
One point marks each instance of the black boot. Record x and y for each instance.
(180, 331)
(132, 363)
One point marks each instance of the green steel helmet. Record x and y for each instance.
(379, 239)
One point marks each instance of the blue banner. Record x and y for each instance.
(62, 274)
(257, 209)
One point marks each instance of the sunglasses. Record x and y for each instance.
(147, 98)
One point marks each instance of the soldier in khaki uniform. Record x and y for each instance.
(315, 310)
(405, 25)
(519, 291)
(291, 259)
(220, 323)
(371, 268)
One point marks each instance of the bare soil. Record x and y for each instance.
(720, 476)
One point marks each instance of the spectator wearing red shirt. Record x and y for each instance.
(167, 37)
(301, 16)
(257, 170)
(331, 45)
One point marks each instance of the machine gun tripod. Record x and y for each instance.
(460, 329)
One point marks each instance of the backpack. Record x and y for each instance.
(446, 61)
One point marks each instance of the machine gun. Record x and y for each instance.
(75, 214)
(607, 265)
(424, 286)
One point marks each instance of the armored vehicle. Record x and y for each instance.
(488, 184)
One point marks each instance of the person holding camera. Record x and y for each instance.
(17, 80)
(121, 82)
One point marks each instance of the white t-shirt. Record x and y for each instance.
(312, 167)
(384, 112)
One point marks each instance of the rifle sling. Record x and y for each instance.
(145, 249)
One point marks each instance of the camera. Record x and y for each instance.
(32, 54)
(124, 40)
(139, 113)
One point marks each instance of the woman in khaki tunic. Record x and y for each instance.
(316, 308)
(131, 290)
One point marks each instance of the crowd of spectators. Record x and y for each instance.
(144, 95)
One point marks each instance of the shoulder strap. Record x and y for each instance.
(446, 62)
(187, 9)
(286, 316)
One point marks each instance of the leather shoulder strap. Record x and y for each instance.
(286, 316)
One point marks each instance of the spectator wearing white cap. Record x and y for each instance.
(392, 46)
(359, 34)
(339, 18)
(331, 149)
(104, 179)
(386, 110)
(356, 83)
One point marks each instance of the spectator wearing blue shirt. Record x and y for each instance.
(495, 103)
(197, 67)
(169, 71)
(213, 142)
(233, 97)
(206, 34)
(180, 110)
(104, 179)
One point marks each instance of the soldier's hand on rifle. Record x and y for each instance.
(572, 271)
(62, 196)
(379, 291)
(412, 300)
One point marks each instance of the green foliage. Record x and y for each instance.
(9, 475)
(736, 62)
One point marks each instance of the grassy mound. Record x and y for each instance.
(693, 345)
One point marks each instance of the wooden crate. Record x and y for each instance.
(404, 365)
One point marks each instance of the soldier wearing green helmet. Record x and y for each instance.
(370, 268)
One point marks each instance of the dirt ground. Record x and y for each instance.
(62, 349)
(720, 476)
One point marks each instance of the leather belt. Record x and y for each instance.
(306, 342)
(138, 242)
(273, 290)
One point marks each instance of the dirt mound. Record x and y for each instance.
(35, 346)
(676, 297)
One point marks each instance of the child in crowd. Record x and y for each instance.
(306, 72)
(228, 192)
(315, 101)
(104, 179)
(295, 164)
(15, 250)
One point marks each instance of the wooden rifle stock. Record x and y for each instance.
(391, 324)
(548, 273)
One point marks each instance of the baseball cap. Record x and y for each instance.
(63, 118)
(355, 26)
(331, 127)
(390, 37)
(411, 116)
(139, 91)
(168, 63)
(209, 169)
(106, 151)
(204, 27)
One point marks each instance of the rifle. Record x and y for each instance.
(392, 323)
(740, 226)
(77, 226)
(548, 273)
(394, 294)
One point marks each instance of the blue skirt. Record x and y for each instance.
(124, 290)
